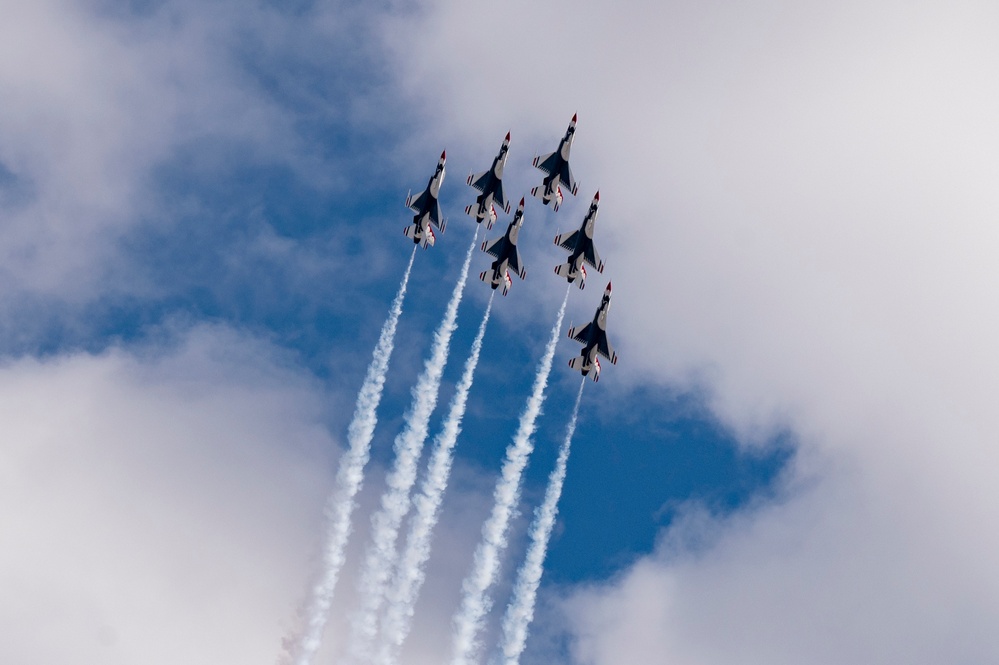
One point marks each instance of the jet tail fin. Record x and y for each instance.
(565, 270)
(548, 197)
(489, 216)
(579, 364)
(413, 231)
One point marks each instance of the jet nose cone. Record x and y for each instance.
(574, 117)
(507, 136)
(444, 155)
(596, 197)
(521, 202)
(608, 287)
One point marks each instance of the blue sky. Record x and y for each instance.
(201, 208)
(225, 243)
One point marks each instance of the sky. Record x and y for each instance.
(201, 206)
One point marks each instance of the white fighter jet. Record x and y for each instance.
(490, 184)
(427, 209)
(504, 249)
(580, 245)
(556, 165)
(594, 339)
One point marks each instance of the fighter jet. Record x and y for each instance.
(556, 165)
(594, 338)
(507, 256)
(427, 209)
(490, 183)
(580, 245)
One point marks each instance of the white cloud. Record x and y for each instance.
(158, 507)
(799, 216)
(94, 101)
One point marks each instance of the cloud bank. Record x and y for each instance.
(799, 217)
(158, 506)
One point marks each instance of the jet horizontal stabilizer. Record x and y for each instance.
(565, 270)
(579, 364)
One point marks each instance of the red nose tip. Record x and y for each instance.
(597, 196)
(507, 136)
(444, 155)
(608, 287)
(574, 117)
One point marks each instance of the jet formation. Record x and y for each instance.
(579, 243)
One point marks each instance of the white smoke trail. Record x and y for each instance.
(349, 477)
(380, 557)
(475, 601)
(520, 612)
(410, 574)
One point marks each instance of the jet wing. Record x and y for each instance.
(499, 199)
(581, 334)
(567, 179)
(435, 215)
(515, 263)
(590, 256)
(604, 348)
(568, 240)
(547, 163)
(417, 202)
(495, 248)
(480, 180)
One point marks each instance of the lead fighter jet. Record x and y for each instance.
(580, 245)
(427, 209)
(490, 183)
(556, 165)
(507, 256)
(594, 338)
